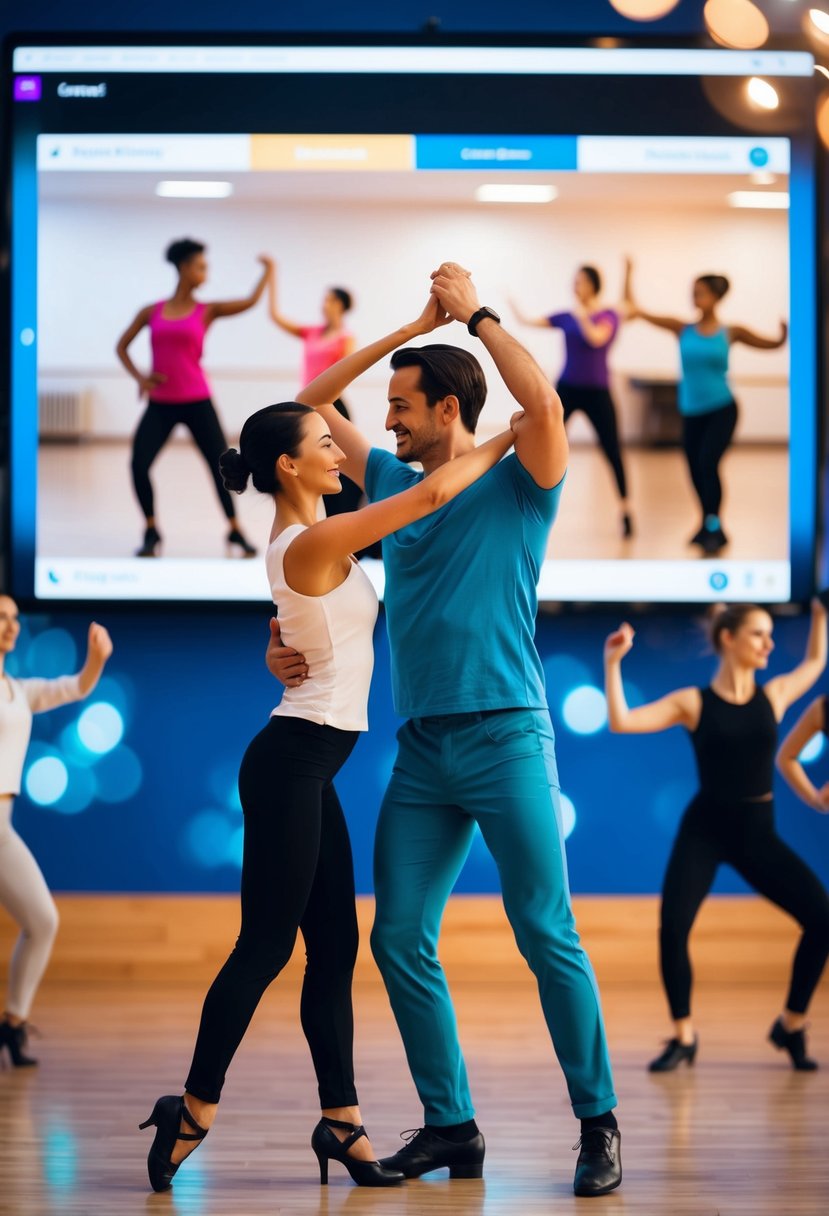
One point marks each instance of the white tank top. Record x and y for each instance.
(335, 633)
(19, 699)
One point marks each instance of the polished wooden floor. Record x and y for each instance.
(74, 480)
(738, 1134)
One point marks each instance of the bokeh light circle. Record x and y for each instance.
(100, 727)
(119, 775)
(585, 710)
(813, 749)
(209, 839)
(736, 23)
(568, 815)
(52, 653)
(46, 780)
(644, 10)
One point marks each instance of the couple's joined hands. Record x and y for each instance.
(452, 297)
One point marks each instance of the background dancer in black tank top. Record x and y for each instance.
(733, 728)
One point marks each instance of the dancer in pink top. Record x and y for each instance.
(322, 347)
(177, 388)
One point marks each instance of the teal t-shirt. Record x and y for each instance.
(704, 384)
(461, 591)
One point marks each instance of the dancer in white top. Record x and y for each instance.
(297, 872)
(23, 890)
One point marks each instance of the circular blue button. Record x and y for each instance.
(759, 157)
(718, 580)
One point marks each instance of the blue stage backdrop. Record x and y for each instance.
(135, 789)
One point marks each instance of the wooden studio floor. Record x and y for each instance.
(87, 509)
(740, 1134)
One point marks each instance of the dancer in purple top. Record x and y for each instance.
(584, 384)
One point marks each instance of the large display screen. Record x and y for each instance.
(362, 168)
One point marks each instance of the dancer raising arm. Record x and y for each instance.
(733, 728)
(23, 890)
(706, 403)
(177, 388)
(297, 871)
(589, 331)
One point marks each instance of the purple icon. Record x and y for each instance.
(27, 88)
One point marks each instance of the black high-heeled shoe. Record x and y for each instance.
(152, 543)
(329, 1147)
(14, 1039)
(675, 1053)
(236, 537)
(794, 1042)
(167, 1115)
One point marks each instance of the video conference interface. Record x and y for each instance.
(341, 167)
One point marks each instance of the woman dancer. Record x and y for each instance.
(297, 870)
(589, 332)
(733, 728)
(177, 388)
(23, 890)
(708, 409)
(322, 347)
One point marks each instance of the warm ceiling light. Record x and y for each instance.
(643, 10)
(819, 19)
(766, 200)
(736, 23)
(823, 120)
(505, 192)
(762, 93)
(194, 189)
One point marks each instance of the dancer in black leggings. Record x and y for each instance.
(296, 868)
(177, 387)
(708, 409)
(589, 331)
(733, 728)
(813, 721)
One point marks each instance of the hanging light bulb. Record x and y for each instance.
(644, 10)
(762, 93)
(736, 23)
(819, 19)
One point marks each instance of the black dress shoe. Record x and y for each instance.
(599, 1167)
(329, 1147)
(794, 1042)
(673, 1055)
(426, 1151)
(166, 1117)
(14, 1039)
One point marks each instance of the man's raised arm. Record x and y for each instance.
(332, 383)
(541, 441)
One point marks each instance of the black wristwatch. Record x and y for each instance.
(476, 318)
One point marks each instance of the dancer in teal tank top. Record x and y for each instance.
(708, 409)
(477, 747)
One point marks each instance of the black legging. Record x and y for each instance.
(741, 834)
(597, 404)
(297, 873)
(706, 438)
(155, 428)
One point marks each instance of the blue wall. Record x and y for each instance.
(158, 810)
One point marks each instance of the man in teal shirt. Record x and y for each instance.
(477, 746)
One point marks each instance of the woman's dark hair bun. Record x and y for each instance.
(235, 470)
(179, 252)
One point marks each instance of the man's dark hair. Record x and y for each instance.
(447, 371)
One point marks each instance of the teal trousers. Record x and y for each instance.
(496, 770)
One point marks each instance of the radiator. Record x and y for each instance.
(64, 413)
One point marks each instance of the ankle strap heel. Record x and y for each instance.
(329, 1147)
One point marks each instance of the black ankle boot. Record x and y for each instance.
(794, 1042)
(599, 1167)
(152, 543)
(426, 1151)
(238, 538)
(167, 1115)
(675, 1053)
(14, 1039)
(329, 1147)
